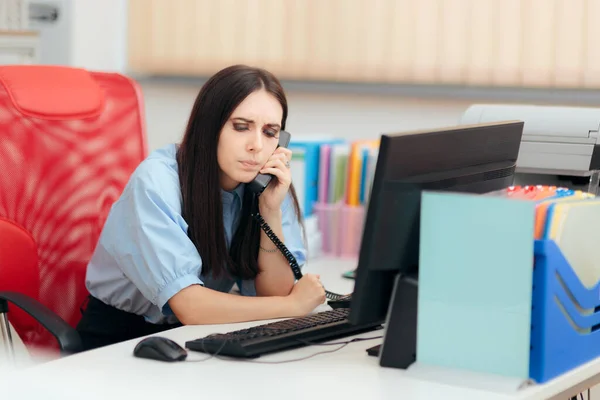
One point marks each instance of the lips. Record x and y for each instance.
(249, 164)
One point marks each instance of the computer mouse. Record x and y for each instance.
(160, 348)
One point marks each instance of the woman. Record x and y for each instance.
(181, 233)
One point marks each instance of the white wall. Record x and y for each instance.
(55, 36)
(99, 34)
(91, 34)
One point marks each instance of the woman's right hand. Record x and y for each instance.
(307, 294)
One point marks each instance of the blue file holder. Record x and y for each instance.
(563, 337)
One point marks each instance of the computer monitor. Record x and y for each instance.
(469, 158)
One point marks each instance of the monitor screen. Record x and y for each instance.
(470, 158)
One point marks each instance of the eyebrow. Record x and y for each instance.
(249, 121)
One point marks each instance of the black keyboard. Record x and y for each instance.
(341, 302)
(281, 335)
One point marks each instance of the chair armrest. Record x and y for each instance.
(67, 337)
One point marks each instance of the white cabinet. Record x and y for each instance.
(18, 44)
(19, 47)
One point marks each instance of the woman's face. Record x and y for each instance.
(248, 138)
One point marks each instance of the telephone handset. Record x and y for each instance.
(257, 186)
(260, 183)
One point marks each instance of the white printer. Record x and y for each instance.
(556, 140)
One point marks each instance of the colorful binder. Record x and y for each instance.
(305, 169)
(355, 161)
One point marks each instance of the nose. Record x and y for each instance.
(255, 142)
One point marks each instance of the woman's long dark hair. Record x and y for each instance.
(199, 173)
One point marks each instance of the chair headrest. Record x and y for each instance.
(52, 92)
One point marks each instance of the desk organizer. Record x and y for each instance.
(508, 304)
(564, 325)
(341, 227)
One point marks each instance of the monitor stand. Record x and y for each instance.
(374, 351)
(399, 347)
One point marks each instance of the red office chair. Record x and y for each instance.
(69, 140)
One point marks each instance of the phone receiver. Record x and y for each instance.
(260, 183)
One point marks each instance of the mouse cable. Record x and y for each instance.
(209, 355)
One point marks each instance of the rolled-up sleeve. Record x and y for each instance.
(147, 236)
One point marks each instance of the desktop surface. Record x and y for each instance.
(348, 371)
(114, 373)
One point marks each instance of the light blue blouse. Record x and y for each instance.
(144, 256)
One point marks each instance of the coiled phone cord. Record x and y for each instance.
(287, 254)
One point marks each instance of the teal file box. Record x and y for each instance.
(475, 283)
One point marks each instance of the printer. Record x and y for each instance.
(563, 141)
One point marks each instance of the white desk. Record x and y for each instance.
(112, 372)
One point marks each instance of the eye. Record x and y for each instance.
(270, 132)
(240, 127)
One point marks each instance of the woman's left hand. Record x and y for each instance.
(278, 166)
